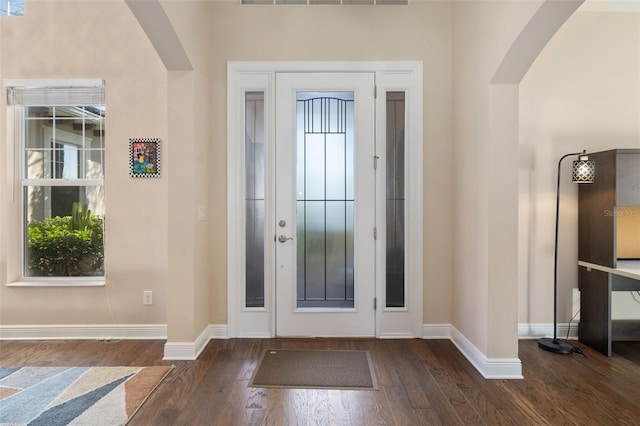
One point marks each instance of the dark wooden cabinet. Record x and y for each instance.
(617, 184)
(609, 246)
(628, 178)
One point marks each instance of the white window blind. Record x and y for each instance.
(22, 93)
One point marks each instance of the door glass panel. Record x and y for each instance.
(324, 188)
(314, 176)
(395, 284)
(254, 199)
(336, 180)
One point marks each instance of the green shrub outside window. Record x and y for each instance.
(66, 246)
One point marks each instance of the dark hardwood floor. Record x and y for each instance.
(421, 382)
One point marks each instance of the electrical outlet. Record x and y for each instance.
(147, 298)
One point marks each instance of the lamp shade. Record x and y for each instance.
(584, 170)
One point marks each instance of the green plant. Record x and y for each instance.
(66, 246)
(80, 217)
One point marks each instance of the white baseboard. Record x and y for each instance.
(218, 331)
(395, 336)
(436, 331)
(256, 335)
(190, 351)
(84, 332)
(490, 368)
(536, 330)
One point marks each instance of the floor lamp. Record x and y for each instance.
(583, 172)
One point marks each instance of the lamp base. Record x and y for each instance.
(556, 346)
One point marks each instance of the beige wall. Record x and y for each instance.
(269, 33)
(98, 39)
(484, 200)
(582, 92)
(462, 45)
(196, 248)
(468, 247)
(184, 259)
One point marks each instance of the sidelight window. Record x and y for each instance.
(395, 200)
(254, 149)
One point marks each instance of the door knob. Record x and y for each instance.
(284, 238)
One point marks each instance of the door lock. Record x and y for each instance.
(284, 238)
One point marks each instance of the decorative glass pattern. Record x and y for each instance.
(254, 199)
(325, 200)
(395, 200)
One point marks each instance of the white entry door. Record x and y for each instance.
(325, 204)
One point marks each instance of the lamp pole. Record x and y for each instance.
(556, 345)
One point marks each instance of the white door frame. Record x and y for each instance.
(242, 77)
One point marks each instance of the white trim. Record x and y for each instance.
(185, 351)
(436, 331)
(57, 282)
(536, 331)
(396, 336)
(249, 76)
(190, 351)
(490, 368)
(84, 332)
(410, 317)
(218, 331)
(62, 182)
(322, 66)
(256, 335)
(245, 322)
(525, 331)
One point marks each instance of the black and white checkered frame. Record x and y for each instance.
(152, 145)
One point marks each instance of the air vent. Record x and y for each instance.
(334, 2)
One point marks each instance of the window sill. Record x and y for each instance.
(59, 282)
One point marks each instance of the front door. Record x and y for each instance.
(325, 204)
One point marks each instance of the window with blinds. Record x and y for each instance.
(58, 128)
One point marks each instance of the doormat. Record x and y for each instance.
(75, 395)
(316, 369)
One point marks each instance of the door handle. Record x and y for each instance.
(284, 238)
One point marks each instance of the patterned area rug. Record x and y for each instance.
(55, 396)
